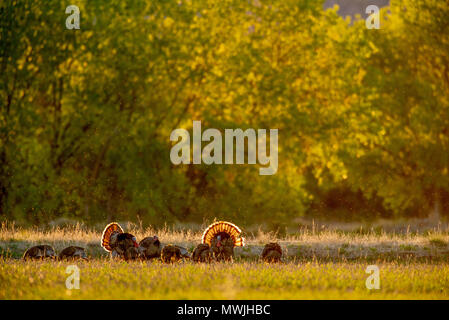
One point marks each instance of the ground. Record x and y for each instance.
(318, 265)
(102, 279)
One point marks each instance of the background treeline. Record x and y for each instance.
(86, 115)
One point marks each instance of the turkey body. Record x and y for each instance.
(184, 252)
(40, 252)
(150, 248)
(202, 253)
(170, 254)
(73, 252)
(132, 253)
(124, 243)
(272, 252)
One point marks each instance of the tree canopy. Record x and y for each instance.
(86, 115)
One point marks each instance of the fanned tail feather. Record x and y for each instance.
(111, 228)
(223, 226)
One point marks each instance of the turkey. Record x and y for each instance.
(222, 237)
(73, 252)
(150, 247)
(170, 254)
(202, 253)
(40, 252)
(119, 243)
(132, 253)
(184, 252)
(272, 252)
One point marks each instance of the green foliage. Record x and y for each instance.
(85, 115)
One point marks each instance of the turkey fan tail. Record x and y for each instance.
(223, 227)
(239, 242)
(111, 228)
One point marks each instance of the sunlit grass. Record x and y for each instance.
(304, 243)
(104, 279)
(328, 264)
(79, 233)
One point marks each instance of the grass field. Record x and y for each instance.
(321, 265)
(103, 279)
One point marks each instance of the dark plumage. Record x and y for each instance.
(124, 242)
(184, 252)
(73, 252)
(150, 247)
(40, 252)
(272, 252)
(202, 253)
(223, 248)
(170, 254)
(132, 253)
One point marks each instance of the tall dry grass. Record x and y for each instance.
(317, 240)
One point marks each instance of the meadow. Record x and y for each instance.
(103, 279)
(327, 264)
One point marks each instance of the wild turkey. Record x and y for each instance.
(170, 254)
(150, 247)
(73, 252)
(222, 237)
(272, 252)
(119, 243)
(40, 252)
(184, 252)
(202, 253)
(132, 253)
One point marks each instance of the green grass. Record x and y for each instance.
(438, 242)
(105, 279)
